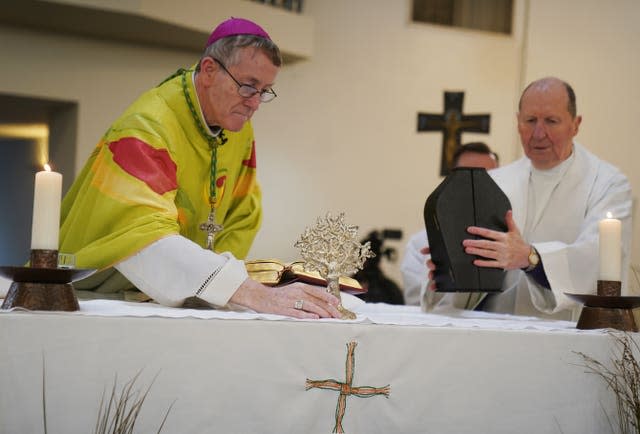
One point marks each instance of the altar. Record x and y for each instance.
(394, 369)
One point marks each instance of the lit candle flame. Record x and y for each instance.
(47, 167)
(609, 215)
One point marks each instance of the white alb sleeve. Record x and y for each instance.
(414, 268)
(174, 268)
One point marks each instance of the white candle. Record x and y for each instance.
(45, 226)
(610, 248)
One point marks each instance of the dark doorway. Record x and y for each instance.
(21, 156)
(17, 160)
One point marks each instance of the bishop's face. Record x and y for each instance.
(545, 125)
(221, 103)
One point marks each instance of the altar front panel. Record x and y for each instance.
(248, 376)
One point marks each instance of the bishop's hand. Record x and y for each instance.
(506, 250)
(297, 300)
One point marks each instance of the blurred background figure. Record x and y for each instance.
(380, 289)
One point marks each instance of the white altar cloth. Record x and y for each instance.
(367, 313)
(243, 372)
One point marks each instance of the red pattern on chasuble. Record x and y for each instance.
(152, 166)
(251, 161)
(246, 182)
(221, 186)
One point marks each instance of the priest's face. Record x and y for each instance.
(545, 125)
(217, 86)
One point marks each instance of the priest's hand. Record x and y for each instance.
(431, 285)
(297, 300)
(506, 250)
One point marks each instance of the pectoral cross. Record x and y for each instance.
(452, 124)
(211, 227)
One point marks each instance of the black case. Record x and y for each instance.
(466, 197)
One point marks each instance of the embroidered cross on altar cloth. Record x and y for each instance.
(347, 388)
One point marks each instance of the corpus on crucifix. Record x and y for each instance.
(332, 249)
(452, 124)
(211, 227)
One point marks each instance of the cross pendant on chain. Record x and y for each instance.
(211, 227)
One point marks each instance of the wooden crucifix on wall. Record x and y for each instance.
(452, 124)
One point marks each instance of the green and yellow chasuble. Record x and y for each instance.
(151, 176)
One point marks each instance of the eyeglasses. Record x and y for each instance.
(247, 91)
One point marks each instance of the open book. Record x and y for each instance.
(273, 272)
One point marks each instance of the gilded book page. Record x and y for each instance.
(273, 272)
(266, 271)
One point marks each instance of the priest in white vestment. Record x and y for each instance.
(558, 192)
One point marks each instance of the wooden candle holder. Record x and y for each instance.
(43, 286)
(607, 309)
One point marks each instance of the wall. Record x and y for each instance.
(103, 78)
(342, 134)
